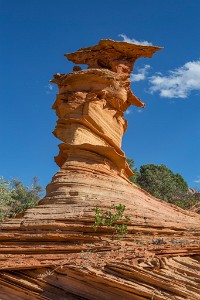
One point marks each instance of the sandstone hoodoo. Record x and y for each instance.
(59, 249)
(91, 104)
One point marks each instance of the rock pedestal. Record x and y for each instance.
(52, 251)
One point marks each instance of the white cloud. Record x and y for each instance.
(134, 41)
(141, 75)
(179, 83)
(128, 111)
(50, 87)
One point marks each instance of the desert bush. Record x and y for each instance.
(162, 183)
(113, 217)
(15, 197)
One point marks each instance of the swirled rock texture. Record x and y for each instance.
(52, 251)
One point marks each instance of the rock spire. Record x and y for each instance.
(91, 103)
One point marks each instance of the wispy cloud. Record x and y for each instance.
(179, 83)
(197, 180)
(128, 111)
(134, 41)
(49, 88)
(141, 75)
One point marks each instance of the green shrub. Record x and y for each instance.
(162, 183)
(16, 197)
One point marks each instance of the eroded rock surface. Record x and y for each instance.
(52, 250)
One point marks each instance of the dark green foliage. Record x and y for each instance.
(188, 201)
(15, 197)
(131, 164)
(162, 182)
(109, 218)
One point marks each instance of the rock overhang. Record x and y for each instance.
(110, 54)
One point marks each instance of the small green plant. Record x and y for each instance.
(109, 218)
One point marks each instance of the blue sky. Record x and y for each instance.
(35, 35)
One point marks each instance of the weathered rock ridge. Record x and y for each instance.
(52, 251)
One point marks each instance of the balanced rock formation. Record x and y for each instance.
(91, 104)
(52, 251)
